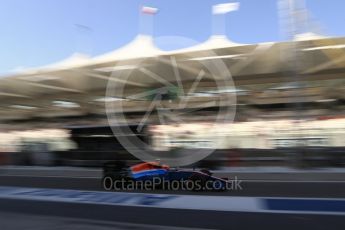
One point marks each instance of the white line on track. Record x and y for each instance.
(293, 181)
(244, 180)
(193, 202)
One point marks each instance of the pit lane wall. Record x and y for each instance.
(253, 134)
(320, 206)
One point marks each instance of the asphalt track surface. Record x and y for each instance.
(9, 221)
(143, 216)
(38, 215)
(255, 188)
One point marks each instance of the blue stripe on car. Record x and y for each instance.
(152, 172)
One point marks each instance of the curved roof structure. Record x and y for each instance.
(142, 46)
(46, 91)
(213, 43)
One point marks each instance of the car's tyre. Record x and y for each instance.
(196, 182)
(217, 185)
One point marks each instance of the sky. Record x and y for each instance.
(40, 32)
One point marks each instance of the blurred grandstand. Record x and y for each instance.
(289, 103)
(266, 121)
(61, 107)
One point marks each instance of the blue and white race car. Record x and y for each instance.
(153, 175)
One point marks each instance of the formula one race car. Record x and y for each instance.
(153, 175)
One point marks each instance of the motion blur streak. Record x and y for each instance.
(270, 114)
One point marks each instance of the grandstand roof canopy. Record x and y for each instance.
(77, 85)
